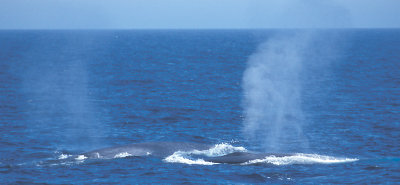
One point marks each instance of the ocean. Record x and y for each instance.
(323, 105)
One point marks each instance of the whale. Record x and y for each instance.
(164, 149)
(194, 153)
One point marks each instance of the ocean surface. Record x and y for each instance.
(66, 92)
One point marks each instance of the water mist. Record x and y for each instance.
(272, 93)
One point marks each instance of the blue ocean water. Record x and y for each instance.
(68, 92)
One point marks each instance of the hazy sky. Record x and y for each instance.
(193, 14)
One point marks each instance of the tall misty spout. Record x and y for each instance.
(272, 94)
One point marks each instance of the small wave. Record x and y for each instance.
(301, 158)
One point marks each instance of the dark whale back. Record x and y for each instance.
(159, 149)
(241, 157)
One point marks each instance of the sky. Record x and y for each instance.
(198, 14)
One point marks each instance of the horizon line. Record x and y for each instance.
(155, 29)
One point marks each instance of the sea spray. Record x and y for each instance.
(272, 93)
(59, 93)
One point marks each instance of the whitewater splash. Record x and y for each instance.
(195, 157)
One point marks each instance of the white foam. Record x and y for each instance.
(122, 155)
(301, 158)
(64, 156)
(80, 157)
(180, 157)
(217, 150)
